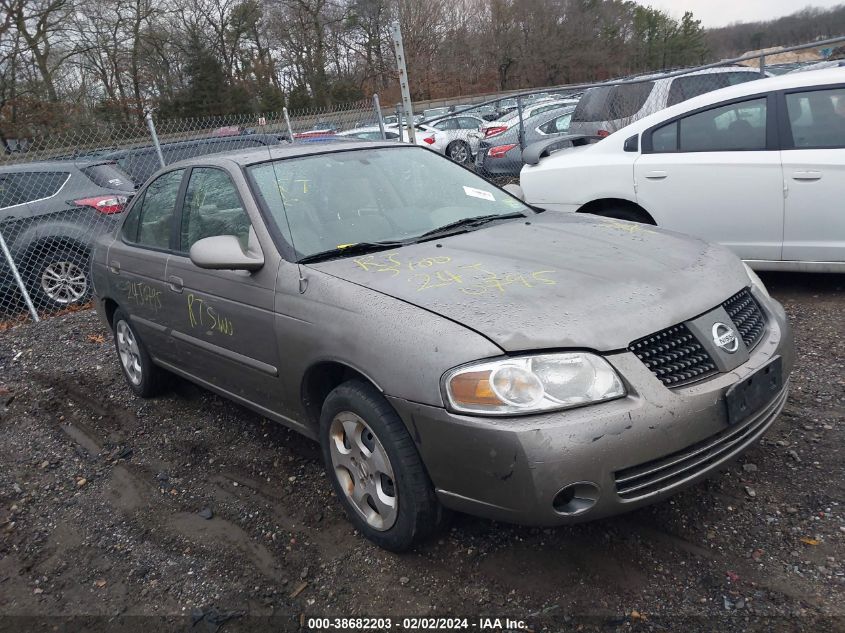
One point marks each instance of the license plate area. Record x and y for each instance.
(746, 397)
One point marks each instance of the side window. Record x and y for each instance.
(562, 123)
(817, 118)
(739, 126)
(129, 230)
(665, 139)
(212, 207)
(156, 219)
(468, 123)
(556, 125)
(37, 185)
(11, 193)
(448, 124)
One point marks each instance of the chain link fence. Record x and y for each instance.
(59, 193)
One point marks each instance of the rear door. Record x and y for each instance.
(223, 321)
(137, 261)
(15, 217)
(715, 173)
(813, 157)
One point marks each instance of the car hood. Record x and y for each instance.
(554, 280)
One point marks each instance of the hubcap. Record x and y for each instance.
(459, 153)
(130, 355)
(64, 282)
(363, 470)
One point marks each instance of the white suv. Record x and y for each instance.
(759, 167)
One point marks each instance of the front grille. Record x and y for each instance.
(674, 355)
(671, 470)
(748, 317)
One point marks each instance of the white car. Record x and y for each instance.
(456, 137)
(759, 167)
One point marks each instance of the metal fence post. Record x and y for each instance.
(399, 121)
(152, 128)
(521, 133)
(404, 87)
(287, 121)
(377, 107)
(18, 279)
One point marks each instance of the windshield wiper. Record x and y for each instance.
(466, 223)
(343, 250)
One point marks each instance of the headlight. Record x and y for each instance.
(755, 280)
(531, 384)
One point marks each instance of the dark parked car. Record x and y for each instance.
(50, 213)
(448, 345)
(501, 155)
(141, 162)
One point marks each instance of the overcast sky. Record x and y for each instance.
(723, 12)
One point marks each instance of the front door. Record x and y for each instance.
(715, 174)
(814, 175)
(223, 321)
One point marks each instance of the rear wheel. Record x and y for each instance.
(59, 278)
(459, 152)
(142, 376)
(375, 469)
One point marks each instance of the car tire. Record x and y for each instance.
(460, 152)
(59, 277)
(144, 378)
(627, 213)
(375, 469)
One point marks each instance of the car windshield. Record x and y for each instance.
(334, 200)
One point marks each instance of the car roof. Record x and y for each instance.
(216, 140)
(289, 150)
(53, 165)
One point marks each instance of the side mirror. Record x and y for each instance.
(224, 252)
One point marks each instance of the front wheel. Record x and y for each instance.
(459, 152)
(627, 213)
(375, 469)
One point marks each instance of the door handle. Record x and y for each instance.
(114, 266)
(806, 175)
(176, 284)
(656, 175)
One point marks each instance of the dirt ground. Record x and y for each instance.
(104, 500)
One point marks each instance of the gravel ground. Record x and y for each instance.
(105, 502)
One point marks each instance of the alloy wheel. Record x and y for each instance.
(130, 355)
(64, 282)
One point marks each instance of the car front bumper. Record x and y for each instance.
(515, 469)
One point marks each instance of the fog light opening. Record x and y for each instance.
(576, 498)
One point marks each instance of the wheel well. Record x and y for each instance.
(47, 244)
(319, 381)
(110, 306)
(606, 206)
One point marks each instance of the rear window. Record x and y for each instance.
(108, 176)
(609, 103)
(684, 88)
